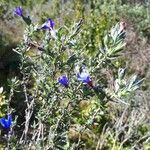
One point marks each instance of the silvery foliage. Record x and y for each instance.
(45, 56)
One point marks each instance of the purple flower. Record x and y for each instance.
(6, 123)
(85, 77)
(18, 11)
(63, 80)
(49, 24)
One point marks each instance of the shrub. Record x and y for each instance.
(66, 94)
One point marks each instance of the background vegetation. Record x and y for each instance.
(117, 125)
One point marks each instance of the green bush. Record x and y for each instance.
(52, 106)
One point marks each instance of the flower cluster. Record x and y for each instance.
(82, 76)
(48, 25)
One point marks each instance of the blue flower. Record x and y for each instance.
(84, 77)
(18, 11)
(6, 123)
(63, 80)
(49, 24)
